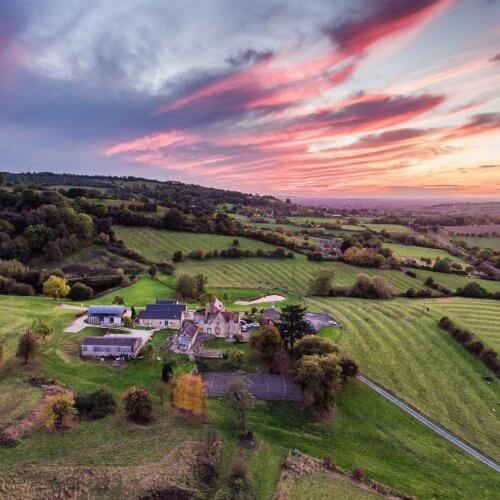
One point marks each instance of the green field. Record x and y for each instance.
(159, 245)
(391, 228)
(400, 345)
(317, 220)
(482, 317)
(414, 252)
(484, 242)
(454, 281)
(327, 486)
(291, 275)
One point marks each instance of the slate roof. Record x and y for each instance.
(271, 314)
(188, 330)
(166, 301)
(107, 310)
(163, 311)
(111, 341)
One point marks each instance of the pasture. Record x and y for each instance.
(411, 251)
(400, 345)
(482, 242)
(391, 228)
(290, 275)
(158, 245)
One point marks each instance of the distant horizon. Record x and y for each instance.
(353, 98)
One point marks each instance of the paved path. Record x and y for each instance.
(429, 423)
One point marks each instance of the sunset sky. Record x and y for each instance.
(349, 98)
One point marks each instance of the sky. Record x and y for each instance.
(333, 98)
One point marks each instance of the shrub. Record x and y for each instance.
(167, 372)
(312, 344)
(358, 474)
(138, 404)
(411, 274)
(28, 346)
(95, 405)
(209, 455)
(80, 291)
(475, 346)
(238, 481)
(267, 342)
(473, 290)
(328, 462)
(58, 408)
(147, 352)
(349, 367)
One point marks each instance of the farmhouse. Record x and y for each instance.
(163, 314)
(216, 320)
(106, 315)
(110, 346)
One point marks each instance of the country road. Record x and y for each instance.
(429, 423)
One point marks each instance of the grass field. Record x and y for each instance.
(158, 245)
(480, 316)
(400, 345)
(481, 242)
(326, 486)
(292, 275)
(410, 251)
(391, 228)
(454, 281)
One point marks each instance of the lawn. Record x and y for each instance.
(290, 275)
(159, 245)
(481, 242)
(414, 252)
(391, 228)
(480, 316)
(326, 486)
(400, 345)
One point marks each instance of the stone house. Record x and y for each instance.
(216, 320)
(163, 314)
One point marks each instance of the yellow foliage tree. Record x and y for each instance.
(56, 287)
(58, 407)
(190, 394)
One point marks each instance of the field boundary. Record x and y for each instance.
(429, 423)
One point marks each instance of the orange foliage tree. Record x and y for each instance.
(190, 394)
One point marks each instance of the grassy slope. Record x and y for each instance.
(159, 245)
(480, 316)
(410, 251)
(392, 228)
(485, 242)
(454, 281)
(399, 344)
(290, 274)
(326, 486)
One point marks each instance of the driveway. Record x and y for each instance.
(78, 325)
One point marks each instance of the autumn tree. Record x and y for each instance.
(190, 394)
(138, 404)
(321, 282)
(312, 344)
(56, 287)
(267, 342)
(200, 281)
(319, 377)
(28, 346)
(185, 287)
(293, 326)
(58, 408)
(240, 399)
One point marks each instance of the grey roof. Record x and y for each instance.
(271, 313)
(107, 310)
(163, 311)
(111, 341)
(166, 301)
(188, 329)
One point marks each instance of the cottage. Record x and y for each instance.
(163, 314)
(271, 315)
(106, 315)
(187, 336)
(110, 346)
(216, 320)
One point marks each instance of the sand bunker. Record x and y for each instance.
(267, 298)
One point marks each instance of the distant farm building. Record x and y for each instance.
(110, 346)
(271, 315)
(163, 314)
(106, 315)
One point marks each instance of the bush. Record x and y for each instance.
(473, 290)
(411, 274)
(167, 372)
(358, 474)
(95, 405)
(138, 404)
(349, 367)
(80, 291)
(367, 288)
(209, 455)
(238, 481)
(311, 344)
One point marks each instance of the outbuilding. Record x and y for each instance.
(163, 314)
(106, 315)
(112, 346)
